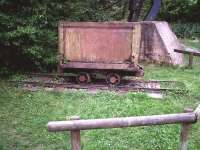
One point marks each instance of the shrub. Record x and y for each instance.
(186, 30)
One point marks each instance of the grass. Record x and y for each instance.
(23, 115)
(192, 43)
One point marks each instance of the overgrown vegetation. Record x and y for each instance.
(180, 10)
(23, 115)
(186, 30)
(28, 29)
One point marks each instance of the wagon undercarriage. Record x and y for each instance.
(112, 73)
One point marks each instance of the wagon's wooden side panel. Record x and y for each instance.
(96, 42)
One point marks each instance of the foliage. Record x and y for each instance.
(28, 36)
(186, 30)
(180, 10)
(23, 115)
(28, 29)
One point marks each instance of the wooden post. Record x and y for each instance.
(75, 136)
(197, 112)
(185, 127)
(190, 60)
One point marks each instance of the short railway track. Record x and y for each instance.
(58, 81)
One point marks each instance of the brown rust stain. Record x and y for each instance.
(146, 51)
(98, 44)
(72, 44)
(136, 40)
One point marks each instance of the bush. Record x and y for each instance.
(28, 29)
(186, 30)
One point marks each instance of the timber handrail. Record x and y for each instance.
(75, 125)
(191, 54)
(195, 53)
(121, 122)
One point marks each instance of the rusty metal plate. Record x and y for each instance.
(100, 66)
(97, 42)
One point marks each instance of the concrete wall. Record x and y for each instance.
(158, 43)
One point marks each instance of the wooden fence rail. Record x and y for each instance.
(191, 55)
(75, 125)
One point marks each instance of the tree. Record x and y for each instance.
(179, 10)
(28, 28)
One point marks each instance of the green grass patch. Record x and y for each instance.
(24, 115)
(195, 43)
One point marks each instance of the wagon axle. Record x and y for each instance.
(83, 77)
(113, 78)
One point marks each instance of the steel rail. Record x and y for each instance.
(122, 87)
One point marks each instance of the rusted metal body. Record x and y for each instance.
(105, 47)
(96, 42)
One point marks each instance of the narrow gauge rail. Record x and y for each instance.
(127, 85)
(54, 75)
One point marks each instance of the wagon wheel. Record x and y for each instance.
(83, 77)
(113, 78)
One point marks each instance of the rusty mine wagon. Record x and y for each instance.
(89, 48)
